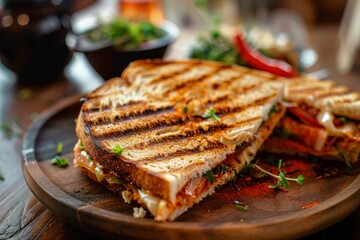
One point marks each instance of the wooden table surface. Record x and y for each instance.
(22, 216)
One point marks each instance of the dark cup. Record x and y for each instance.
(32, 40)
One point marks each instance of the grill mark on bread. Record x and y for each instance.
(128, 116)
(194, 81)
(165, 77)
(306, 91)
(169, 118)
(225, 109)
(136, 128)
(330, 93)
(190, 133)
(192, 157)
(343, 99)
(178, 74)
(211, 147)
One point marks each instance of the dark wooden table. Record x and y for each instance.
(22, 216)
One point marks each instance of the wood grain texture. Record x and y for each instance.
(85, 204)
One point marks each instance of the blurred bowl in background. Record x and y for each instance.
(110, 58)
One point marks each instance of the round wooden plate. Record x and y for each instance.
(87, 205)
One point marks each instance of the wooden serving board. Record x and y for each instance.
(271, 214)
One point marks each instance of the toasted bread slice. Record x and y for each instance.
(175, 121)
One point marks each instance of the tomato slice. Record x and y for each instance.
(311, 136)
(304, 116)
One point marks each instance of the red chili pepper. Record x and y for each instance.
(261, 62)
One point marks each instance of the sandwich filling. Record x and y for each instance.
(322, 119)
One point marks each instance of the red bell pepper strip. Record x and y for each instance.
(261, 62)
(304, 116)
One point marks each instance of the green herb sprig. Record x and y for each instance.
(57, 160)
(241, 206)
(81, 147)
(210, 113)
(186, 109)
(118, 150)
(209, 176)
(283, 181)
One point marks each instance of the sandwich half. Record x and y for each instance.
(170, 132)
(322, 119)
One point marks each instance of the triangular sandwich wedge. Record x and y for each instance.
(170, 132)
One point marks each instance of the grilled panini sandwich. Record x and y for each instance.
(171, 132)
(323, 120)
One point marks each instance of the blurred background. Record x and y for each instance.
(33, 32)
(50, 42)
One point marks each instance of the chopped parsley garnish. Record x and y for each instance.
(81, 147)
(282, 179)
(210, 113)
(209, 176)
(89, 159)
(300, 179)
(59, 148)
(60, 162)
(241, 207)
(57, 160)
(118, 149)
(186, 109)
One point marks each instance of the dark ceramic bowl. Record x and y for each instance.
(109, 59)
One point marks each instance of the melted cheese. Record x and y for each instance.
(326, 119)
(82, 159)
(153, 204)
